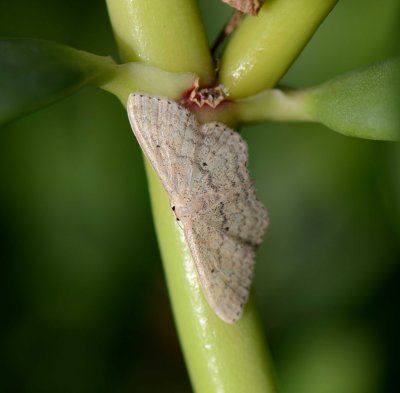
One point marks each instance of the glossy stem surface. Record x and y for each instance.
(220, 357)
(264, 46)
(165, 34)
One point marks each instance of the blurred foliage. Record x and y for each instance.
(84, 303)
(35, 73)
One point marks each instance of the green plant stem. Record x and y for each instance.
(269, 105)
(264, 46)
(143, 78)
(165, 34)
(219, 357)
(272, 105)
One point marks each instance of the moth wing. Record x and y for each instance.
(224, 266)
(239, 215)
(221, 159)
(208, 164)
(221, 181)
(168, 135)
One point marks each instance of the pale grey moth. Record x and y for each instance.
(203, 168)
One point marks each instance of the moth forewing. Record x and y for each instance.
(204, 171)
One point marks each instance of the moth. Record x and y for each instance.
(203, 169)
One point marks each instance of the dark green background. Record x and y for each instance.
(83, 300)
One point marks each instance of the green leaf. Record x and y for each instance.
(364, 103)
(35, 73)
